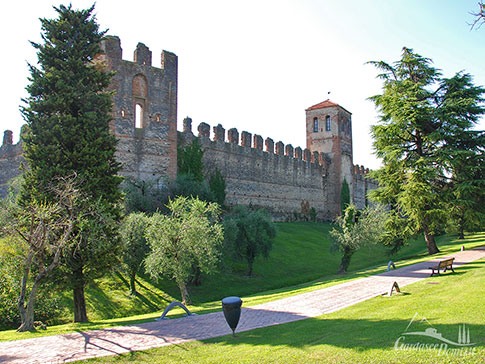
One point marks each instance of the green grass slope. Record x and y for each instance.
(364, 333)
(299, 262)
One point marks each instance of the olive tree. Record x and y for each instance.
(189, 236)
(248, 234)
(136, 248)
(356, 229)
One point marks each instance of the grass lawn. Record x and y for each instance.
(364, 333)
(299, 262)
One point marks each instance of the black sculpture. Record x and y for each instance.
(231, 306)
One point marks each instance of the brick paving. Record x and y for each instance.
(117, 340)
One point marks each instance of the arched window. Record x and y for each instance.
(138, 116)
(140, 96)
(328, 125)
(140, 86)
(315, 125)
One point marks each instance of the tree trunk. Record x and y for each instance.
(195, 279)
(430, 242)
(250, 271)
(184, 293)
(132, 283)
(27, 313)
(250, 258)
(345, 262)
(461, 228)
(79, 301)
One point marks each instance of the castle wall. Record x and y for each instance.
(362, 185)
(279, 179)
(283, 179)
(10, 160)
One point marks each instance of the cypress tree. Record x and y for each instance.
(344, 196)
(68, 115)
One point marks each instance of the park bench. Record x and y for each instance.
(446, 264)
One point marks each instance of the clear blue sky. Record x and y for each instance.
(256, 65)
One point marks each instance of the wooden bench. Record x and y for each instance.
(446, 264)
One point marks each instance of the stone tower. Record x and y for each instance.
(329, 131)
(144, 110)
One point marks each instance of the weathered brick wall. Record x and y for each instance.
(10, 160)
(148, 151)
(275, 178)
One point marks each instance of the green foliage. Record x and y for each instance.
(357, 229)
(396, 232)
(188, 237)
(217, 185)
(144, 196)
(313, 214)
(188, 186)
(68, 114)
(12, 256)
(135, 245)
(189, 160)
(344, 196)
(422, 118)
(465, 192)
(249, 234)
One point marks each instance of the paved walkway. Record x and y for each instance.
(117, 340)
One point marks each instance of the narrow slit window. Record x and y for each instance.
(138, 116)
(315, 125)
(328, 124)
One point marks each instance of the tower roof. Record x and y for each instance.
(325, 104)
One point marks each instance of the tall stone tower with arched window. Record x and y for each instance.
(329, 130)
(144, 110)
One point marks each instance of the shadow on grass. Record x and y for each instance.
(354, 334)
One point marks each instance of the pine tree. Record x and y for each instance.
(68, 118)
(422, 114)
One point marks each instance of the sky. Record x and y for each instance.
(257, 65)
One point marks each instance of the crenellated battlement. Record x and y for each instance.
(260, 172)
(10, 160)
(8, 149)
(254, 143)
(113, 53)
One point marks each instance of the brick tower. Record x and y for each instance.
(329, 130)
(144, 110)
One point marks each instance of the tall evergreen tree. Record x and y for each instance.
(464, 153)
(344, 196)
(421, 114)
(67, 113)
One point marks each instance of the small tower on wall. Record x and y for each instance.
(329, 130)
(144, 110)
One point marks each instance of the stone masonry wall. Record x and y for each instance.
(279, 178)
(10, 160)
